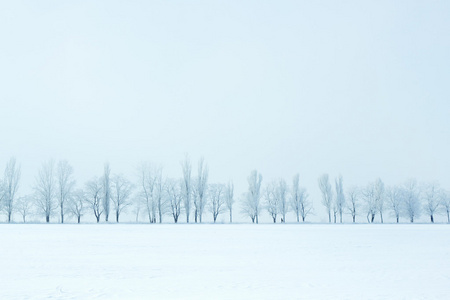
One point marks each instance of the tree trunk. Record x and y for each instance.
(329, 216)
(117, 216)
(98, 219)
(62, 213)
(340, 216)
(256, 219)
(274, 219)
(79, 219)
(9, 216)
(448, 216)
(353, 218)
(381, 217)
(372, 218)
(397, 218)
(412, 219)
(231, 216)
(432, 218)
(195, 215)
(47, 219)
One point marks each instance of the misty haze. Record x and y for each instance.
(224, 150)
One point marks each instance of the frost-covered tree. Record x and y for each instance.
(65, 184)
(199, 189)
(395, 201)
(187, 185)
(271, 200)
(93, 191)
(106, 191)
(353, 197)
(411, 200)
(327, 194)
(379, 197)
(174, 193)
(340, 197)
(299, 200)
(46, 188)
(432, 197)
(151, 188)
(24, 206)
(254, 195)
(121, 192)
(295, 196)
(10, 186)
(217, 199)
(281, 194)
(369, 198)
(229, 199)
(77, 204)
(445, 203)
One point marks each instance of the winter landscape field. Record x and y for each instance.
(241, 261)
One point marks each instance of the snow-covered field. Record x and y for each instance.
(110, 261)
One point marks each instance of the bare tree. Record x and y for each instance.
(369, 197)
(432, 196)
(411, 200)
(247, 207)
(77, 204)
(174, 193)
(295, 196)
(340, 197)
(327, 194)
(161, 200)
(395, 200)
(353, 194)
(254, 194)
(379, 197)
(94, 189)
(299, 200)
(24, 207)
(271, 204)
(46, 189)
(445, 203)
(151, 188)
(121, 192)
(187, 188)
(200, 189)
(306, 207)
(229, 199)
(280, 193)
(10, 186)
(65, 184)
(106, 191)
(217, 199)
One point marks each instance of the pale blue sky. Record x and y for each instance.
(359, 88)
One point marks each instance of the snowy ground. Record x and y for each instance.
(225, 261)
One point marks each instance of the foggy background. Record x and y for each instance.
(351, 88)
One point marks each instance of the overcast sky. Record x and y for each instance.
(358, 88)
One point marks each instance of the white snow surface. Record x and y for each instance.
(220, 261)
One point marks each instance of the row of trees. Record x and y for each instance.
(409, 200)
(55, 192)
